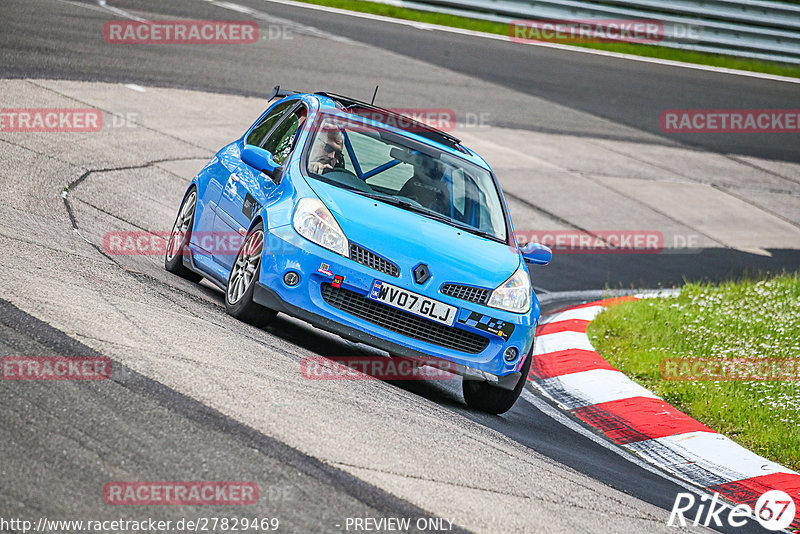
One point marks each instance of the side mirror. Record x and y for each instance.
(537, 253)
(262, 161)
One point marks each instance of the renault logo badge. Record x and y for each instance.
(421, 273)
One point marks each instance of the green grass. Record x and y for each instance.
(747, 319)
(662, 52)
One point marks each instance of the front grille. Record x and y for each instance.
(472, 294)
(403, 322)
(373, 261)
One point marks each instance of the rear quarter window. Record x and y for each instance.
(258, 133)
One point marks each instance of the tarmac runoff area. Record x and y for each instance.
(132, 177)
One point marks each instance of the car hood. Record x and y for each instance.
(407, 239)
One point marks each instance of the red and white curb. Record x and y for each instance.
(568, 370)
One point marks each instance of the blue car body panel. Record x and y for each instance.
(232, 197)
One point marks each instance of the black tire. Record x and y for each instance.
(239, 291)
(179, 238)
(492, 399)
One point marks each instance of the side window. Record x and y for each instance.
(281, 140)
(258, 133)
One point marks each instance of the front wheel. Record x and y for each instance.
(242, 282)
(492, 399)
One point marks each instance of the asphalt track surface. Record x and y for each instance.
(57, 443)
(626, 92)
(576, 94)
(130, 422)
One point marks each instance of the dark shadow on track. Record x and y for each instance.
(132, 427)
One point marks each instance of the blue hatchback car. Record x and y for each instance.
(370, 225)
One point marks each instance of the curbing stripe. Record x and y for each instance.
(723, 451)
(639, 418)
(600, 386)
(568, 325)
(567, 369)
(748, 491)
(583, 313)
(564, 362)
(682, 463)
(561, 341)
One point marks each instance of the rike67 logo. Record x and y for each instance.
(775, 510)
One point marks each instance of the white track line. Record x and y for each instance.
(496, 37)
(118, 11)
(270, 19)
(103, 7)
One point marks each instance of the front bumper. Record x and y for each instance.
(287, 251)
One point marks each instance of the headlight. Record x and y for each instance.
(514, 294)
(315, 222)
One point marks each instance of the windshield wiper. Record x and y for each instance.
(481, 233)
(400, 203)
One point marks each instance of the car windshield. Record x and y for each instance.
(397, 170)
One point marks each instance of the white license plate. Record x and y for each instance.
(403, 299)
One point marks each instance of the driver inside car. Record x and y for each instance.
(427, 186)
(326, 154)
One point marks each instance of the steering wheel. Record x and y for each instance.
(412, 200)
(341, 170)
(347, 178)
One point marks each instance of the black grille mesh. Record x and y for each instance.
(373, 261)
(403, 322)
(472, 294)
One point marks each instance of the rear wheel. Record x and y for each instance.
(242, 282)
(492, 399)
(179, 239)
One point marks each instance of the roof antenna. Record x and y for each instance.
(374, 95)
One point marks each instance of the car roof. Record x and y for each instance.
(331, 102)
